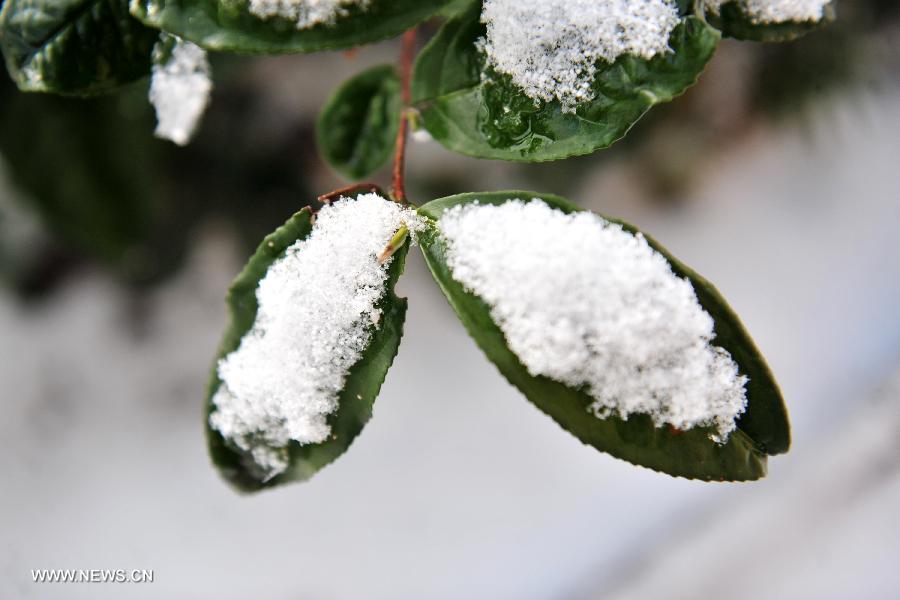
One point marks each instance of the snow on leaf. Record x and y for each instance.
(305, 13)
(318, 309)
(550, 47)
(590, 305)
(776, 11)
(179, 88)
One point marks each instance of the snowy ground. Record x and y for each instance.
(459, 488)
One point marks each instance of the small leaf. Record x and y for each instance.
(230, 25)
(763, 429)
(734, 23)
(490, 117)
(361, 385)
(357, 129)
(78, 47)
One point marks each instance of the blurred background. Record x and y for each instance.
(777, 177)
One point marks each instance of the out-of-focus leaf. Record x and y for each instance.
(762, 430)
(454, 7)
(77, 47)
(91, 170)
(229, 24)
(473, 110)
(733, 22)
(360, 388)
(357, 130)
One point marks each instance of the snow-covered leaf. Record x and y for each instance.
(357, 130)
(78, 47)
(639, 357)
(768, 20)
(473, 107)
(179, 88)
(280, 26)
(315, 325)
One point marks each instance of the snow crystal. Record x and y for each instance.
(550, 48)
(318, 307)
(179, 91)
(777, 11)
(305, 13)
(586, 303)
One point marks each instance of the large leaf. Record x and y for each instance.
(229, 24)
(78, 47)
(763, 429)
(733, 22)
(492, 118)
(357, 129)
(360, 388)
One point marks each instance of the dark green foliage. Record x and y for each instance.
(90, 170)
(109, 193)
(473, 110)
(78, 47)
(229, 24)
(357, 130)
(360, 389)
(762, 430)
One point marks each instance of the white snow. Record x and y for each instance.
(318, 308)
(586, 303)
(305, 13)
(776, 11)
(34, 76)
(179, 91)
(550, 48)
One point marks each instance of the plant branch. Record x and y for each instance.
(407, 53)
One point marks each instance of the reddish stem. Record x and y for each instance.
(349, 189)
(407, 53)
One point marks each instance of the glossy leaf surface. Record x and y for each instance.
(78, 47)
(357, 130)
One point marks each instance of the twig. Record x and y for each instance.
(407, 53)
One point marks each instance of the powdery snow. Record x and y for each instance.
(583, 302)
(306, 13)
(776, 11)
(317, 313)
(550, 47)
(179, 91)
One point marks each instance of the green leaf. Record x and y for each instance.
(734, 23)
(763, 429)
(357, 129)
(78, 47)
(360, 388)
(473, 110)
(229, 24)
